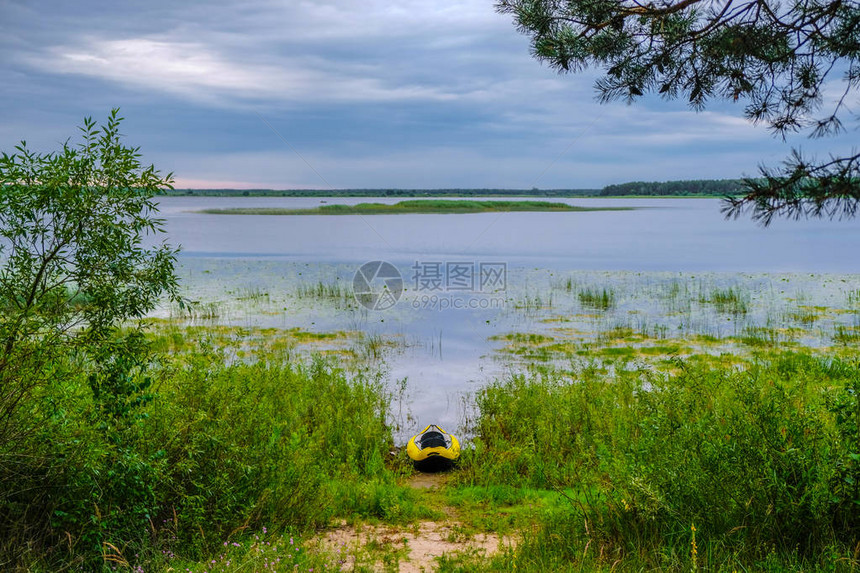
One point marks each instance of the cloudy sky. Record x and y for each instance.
(348, 93)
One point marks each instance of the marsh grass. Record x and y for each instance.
(656, 319)
(594, 299)
(564, 284)
(325, 291)
(618, 333)
(847, 335)
(199, 311)
(525, 338)
(759, 336)
(730, 300)
(253, 294)
(534, 303)
(371, 347)
(675, 295)
(805, 315)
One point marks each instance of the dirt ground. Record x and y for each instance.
(410, 548)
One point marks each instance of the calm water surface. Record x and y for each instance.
(662, 235)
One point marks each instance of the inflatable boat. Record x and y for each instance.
(433, 449)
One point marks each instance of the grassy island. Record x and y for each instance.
(441, 206)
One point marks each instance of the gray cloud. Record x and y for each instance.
(374, 94)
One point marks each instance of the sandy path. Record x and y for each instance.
(414, 548)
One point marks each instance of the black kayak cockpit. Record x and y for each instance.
(432, 439)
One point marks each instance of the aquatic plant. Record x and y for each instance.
(597, 299)
(332, 291)
(730, 300)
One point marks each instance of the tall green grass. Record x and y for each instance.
(602, 299)
(198, 311)
(764, 462)
(191, 451)
(847, 335)
(326, 291)
(731, 300)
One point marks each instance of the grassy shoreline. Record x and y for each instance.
(418, 206)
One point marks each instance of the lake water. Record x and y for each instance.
(662, 235)
(448, 352)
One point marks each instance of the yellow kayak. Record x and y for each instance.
(433, 449)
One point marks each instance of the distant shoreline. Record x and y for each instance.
(507, 197)
(418, 206)
(710, 188)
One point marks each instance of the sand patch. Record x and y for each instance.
(421, 480)
(407, 549)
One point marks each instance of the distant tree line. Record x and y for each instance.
(384, 192)
(711, 187)
(721, 188)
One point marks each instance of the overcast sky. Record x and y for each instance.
(412, 94)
